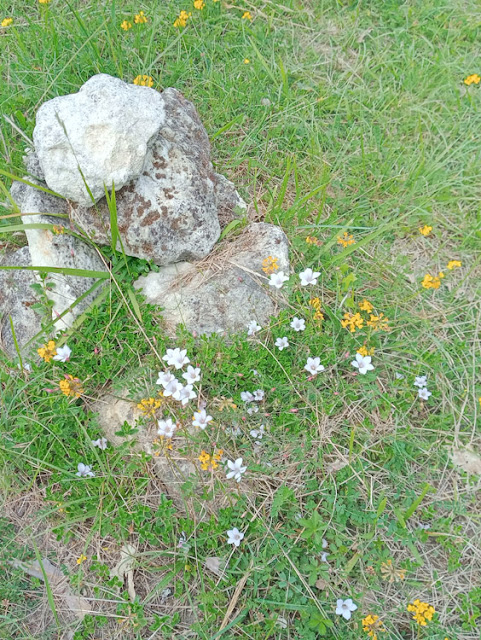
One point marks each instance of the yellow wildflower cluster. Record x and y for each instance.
(58, 229)
(209, 463)
(352, 321)
(181, 21)
(126, 25)
(48, 351)
(422, 612)
(140, 18)
(345, 240)
(71, 386)
(426, 230)
(247, 15)
(432, 282)
(315, 303)
(472, 79)
(149, 406)
(453, 264)
(81, 559)
(373, 625)
(144, 81)
(269, 265)
(378, 323)
(6, 22)
(199, 4)
(313, 240)
(365, 305)
(364, 351)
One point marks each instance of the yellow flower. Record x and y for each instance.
(432, 282)
(372, 625)
(352, 321)
(422, 611)
(345, 240)
(149, 406)
(81, 559)
(452, 264)
(48, 351)
(247, 15)
(246, 61)
(269, 265)
(365, 305)
(313, 240)
(316, 303)
(126, 25)
(71, 386)
(474, 78)
(199, 4)
(58, 229)
(182, 19)
(44, 1)
(144, 81)
(140, 18)
(364, 351)
(426, 230)
(6, 22)
(208, 462)
(378, 323)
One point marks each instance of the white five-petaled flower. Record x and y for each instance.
(84, 471)
(309, 277)
(258, 434)
(282, 343)
(234, 536)
(345, 608)
(424, 393)
(246, 396)
(277, 279)
(201, 419)
(101, 443)
(63, 354)
(259, 395)
(298, 324)
(236, 469)
(252, 410)
(166, 428)
(165, 378)
(173, 387)
(253, 327)
(192, 374)
(420, 381)
(314, 366)
(363, 363)
(176, 357)
(184, 394)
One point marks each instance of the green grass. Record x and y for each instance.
(349, 116)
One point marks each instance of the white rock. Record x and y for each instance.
(105, 130)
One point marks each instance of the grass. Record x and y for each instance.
(349, 116)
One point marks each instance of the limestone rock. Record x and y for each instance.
(32, 165)
(170, 213)
(105, 129)
(16, 300)
(63, 250)
(223, 293)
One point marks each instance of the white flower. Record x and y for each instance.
(184, 394)
(234, 431)
(183, 544)
(253, 327)
(345, 608)
(258, 395)
(176, 357)
(84, 471)
(101, 443)
(363, 363)
(63, 354)
(166, 428)
(234, 536)
(324, 555)
(258, 434)
(172, 387)
(277, 279)
(236, 469)
(314, 366)
(325, 543)
(252, 410)
(424, 393)
(165, 378)
(192, 375)
(309, 277)
(298, 324)
(399, 376)
(246, 396)
(282, 343)
(201, 419)
(420, 381)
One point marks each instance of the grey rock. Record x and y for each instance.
(16, 300)
(229, 203)
(223, 293)
(170, 213)
(63, 250)
(32, 165)
(105, 130)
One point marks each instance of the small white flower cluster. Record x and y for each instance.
(421, 383)
(85, 470)
(258, 434)
(307, 277)
(172, 387)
